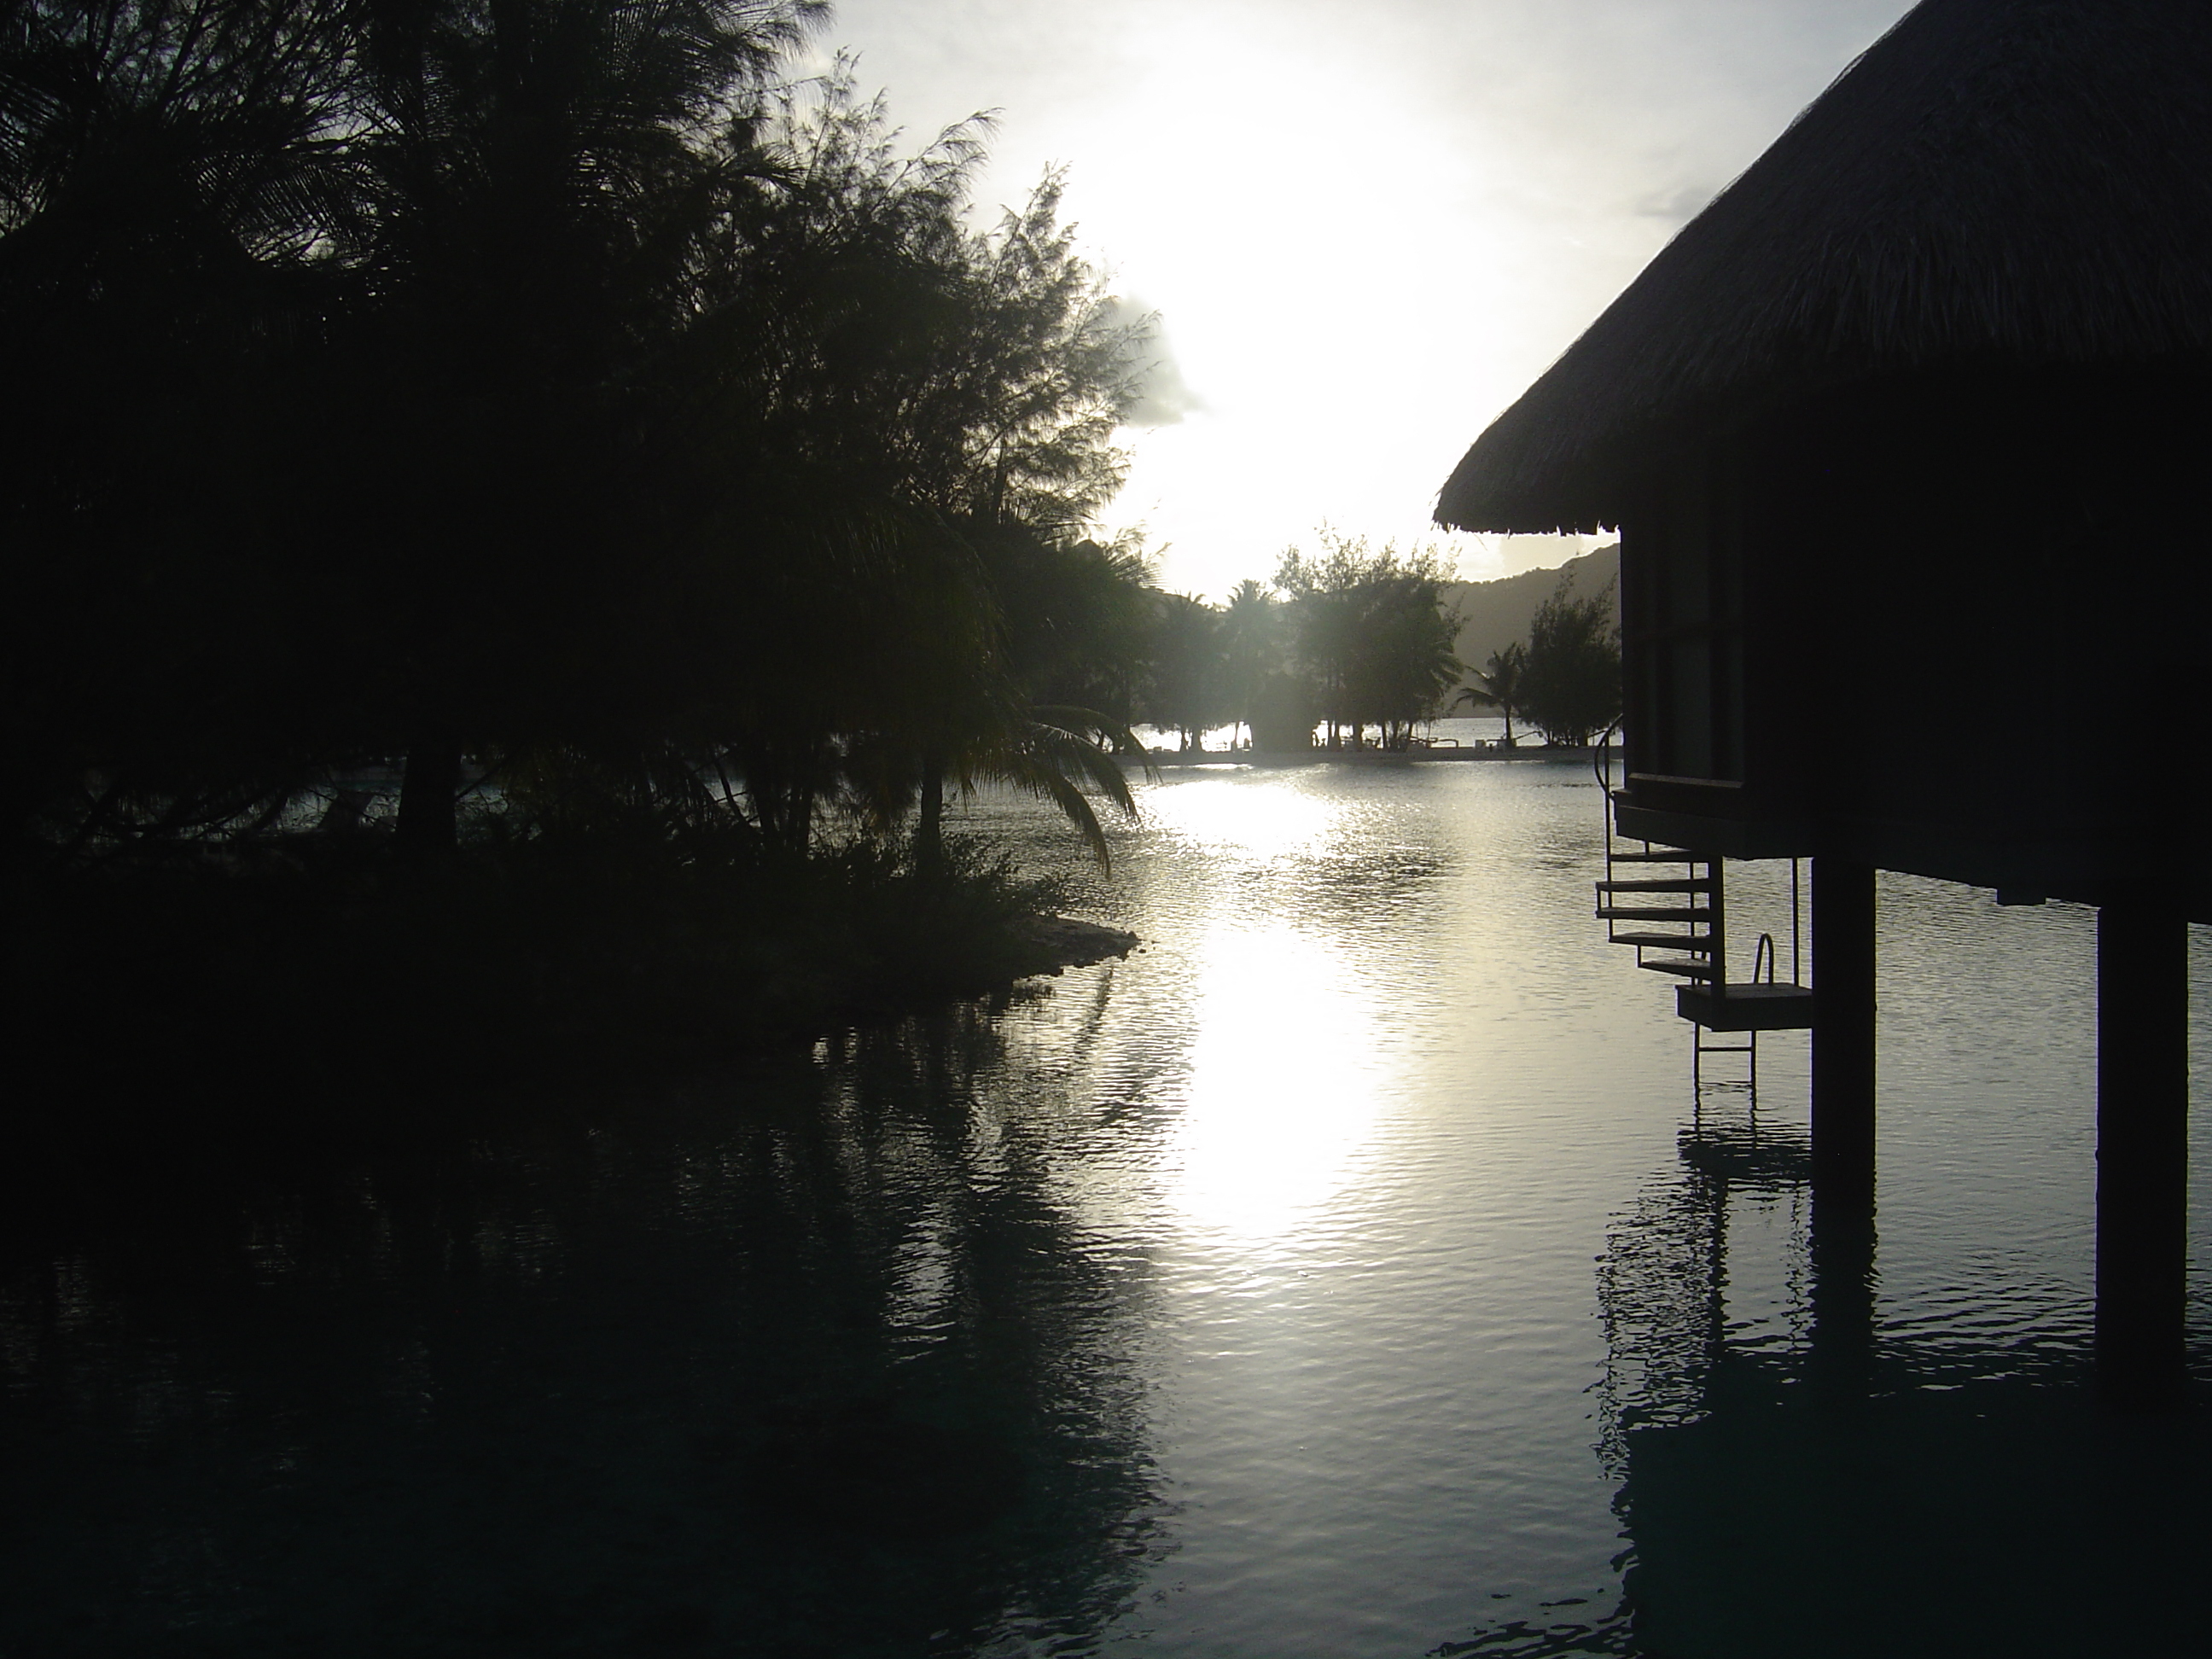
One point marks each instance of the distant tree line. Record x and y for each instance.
(1355, 645)
(1565, 678)
(1351, 641)
(556, 389)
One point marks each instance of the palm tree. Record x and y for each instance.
(1498, 684)
(1060, 755)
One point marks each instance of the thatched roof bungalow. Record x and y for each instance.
(1906, 435)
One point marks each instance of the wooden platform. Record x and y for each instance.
(1746, 1007)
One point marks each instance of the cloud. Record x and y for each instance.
(1167, 397)
(1677, 206)
(1367, 236)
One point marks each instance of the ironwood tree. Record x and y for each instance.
(1186, 685)
(1570, 680)
(1373, 635)
(548, 386)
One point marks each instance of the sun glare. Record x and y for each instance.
(1261, 821)
(1283, 1094)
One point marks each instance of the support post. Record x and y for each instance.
(2142, 1148)
(1843, 1221)
(1842, 1031)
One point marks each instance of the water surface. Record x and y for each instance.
(1351, 1271)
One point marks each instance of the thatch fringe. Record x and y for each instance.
(1994, 182)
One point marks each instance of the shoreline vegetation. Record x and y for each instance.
(663, 479)
(319, 982)
(586, 398)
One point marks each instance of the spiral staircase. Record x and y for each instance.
(1669, 905)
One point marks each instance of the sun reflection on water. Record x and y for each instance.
(1241, 815)
(1282, 1092)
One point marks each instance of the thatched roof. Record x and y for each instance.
(1995, 182)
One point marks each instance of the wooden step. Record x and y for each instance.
(1659, 885)
(1637, 913)
(1685, 967)
(1694, 943)
(1665, 856)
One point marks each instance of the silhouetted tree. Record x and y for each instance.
(546, 189)
(545, 384)
(940, 420)
(1076, 615)
(168, 176)
(1497, 685)
(1373, 633)
(1253, 648)
(1186, 687)
(1571, 681)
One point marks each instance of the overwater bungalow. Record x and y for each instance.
(1905, 436)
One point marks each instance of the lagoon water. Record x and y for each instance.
(1353, 1271)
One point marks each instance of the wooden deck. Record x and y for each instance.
(1746, 1007)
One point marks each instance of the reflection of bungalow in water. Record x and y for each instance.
(1955, 1497)
(1906, 435)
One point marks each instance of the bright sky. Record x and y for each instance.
(1366, 227)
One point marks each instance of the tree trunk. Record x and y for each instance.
(428, 793)
(929, 826)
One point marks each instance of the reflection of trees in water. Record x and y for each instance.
(1836, 1495)
(1607, 1633)
(801, 1363)
(1001, 1317)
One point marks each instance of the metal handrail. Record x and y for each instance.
(1601, 760)
(1602, 766)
